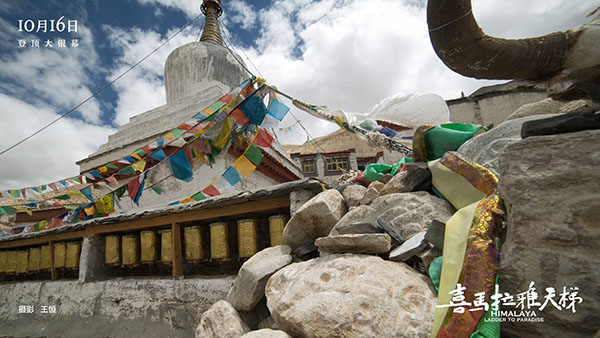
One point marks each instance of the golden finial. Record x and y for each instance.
(212, 11)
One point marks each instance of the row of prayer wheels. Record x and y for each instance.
(133, 249)
(32, 260)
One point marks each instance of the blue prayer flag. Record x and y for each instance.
(277, 109)
(232, 176)
(181, 166)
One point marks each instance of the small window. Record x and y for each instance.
(336, 164)
(308, 167)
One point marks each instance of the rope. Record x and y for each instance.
(101, 89)
(451, 22)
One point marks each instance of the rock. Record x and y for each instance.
(355, 243)
(408, 213)
(249, 285)
(372, 192)
(387, 228)
(266, 333)
(255, 316)
(359, 228)
(418, 179)
(396, 184)
(551, 186)
(483, 149)
(314, 219)
(409, 248)
(353, 194)
(298, 198)
(435, 233)
(306, 249)
(268, 323)
(221, 321)
(543, 107)
(579, 105)
(564, 123)
(349, 295)
(385, 178)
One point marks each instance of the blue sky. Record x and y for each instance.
(347, 54)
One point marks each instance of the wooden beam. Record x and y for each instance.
(159, 221)
(176, 245)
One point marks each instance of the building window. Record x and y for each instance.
(336, 164)
(308, 167)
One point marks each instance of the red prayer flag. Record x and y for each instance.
(53, 186)
(263, 139)
(211, 191)
(239, 117)
(55, 223)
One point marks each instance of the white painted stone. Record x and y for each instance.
(221, 321)
(314, 219)
(350, 295)
(249, 285)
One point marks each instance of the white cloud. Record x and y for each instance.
(241, 14)
(51, 155)
(190, 8)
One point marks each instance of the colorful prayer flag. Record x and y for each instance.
(244, 166)
(181, 166)
(277, 109)
(254, 154)
(232, 176)
(211, 191)
(255, 109)
(87, 192)
(263, 139)
(198, 196)
(223, 186)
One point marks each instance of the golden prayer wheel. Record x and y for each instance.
(11, 262)
(60, 255)
(3, 260)
(131, 252)
(166, 247)
(46, 260)
(73, 253)
(247, 237)
(35, 256)
(22, 261)
(276, 225)
(149, 245)
(194, 251)
(219, 241)
(112, 250)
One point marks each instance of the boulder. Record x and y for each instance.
(359, 228)
(411, 247)
(396, 184)
(353, 194)
(483, 149)
(543, 107)
(350, 295)
(408, 213)
(372, 192)
(266, 333)
(355, 243)
(561, 124)
(249, 285)
(221, 321)
(551, 186)
(314, 219)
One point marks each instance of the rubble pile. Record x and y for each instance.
(388, 260)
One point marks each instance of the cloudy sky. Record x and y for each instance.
(347, 54)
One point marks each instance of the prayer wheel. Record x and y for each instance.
(46, 259)
(131, 252)
(166, 247)
(22, 261)
(11, 262)
(194, 251)
(276, 225)
(219, 241)
(60, 255)
(35, 256)
(149, 244)
(3, 259)
(73, 253)
(247, 237)
(112, 250)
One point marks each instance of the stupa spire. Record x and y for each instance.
(212, 11)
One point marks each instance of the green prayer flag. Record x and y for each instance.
(62, 197)
(112, 166)
(140, 152)
(70, 207)
(128, 170)
(121, 191)
(7, 211)
(44, 187)
(198, 196)
(254, 154)
(176, 132)
(156, 189)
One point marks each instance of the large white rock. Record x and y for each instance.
(221, 321)
(314, 219)
(551, 185)
(408, 213)
(249, 285)
(266, 333)
(372, 192)
(350, 295)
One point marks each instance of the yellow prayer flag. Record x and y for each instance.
(43, 225)
(103, 169)
(107, 204)
(168, 136)
(89, 211)
(99, 206)
(75, 193)
(139, 165)
(244, 166)
(207, 111)
(187, 200)
(231, 105)
(224, 134)
(25, 210)
(136, 156)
